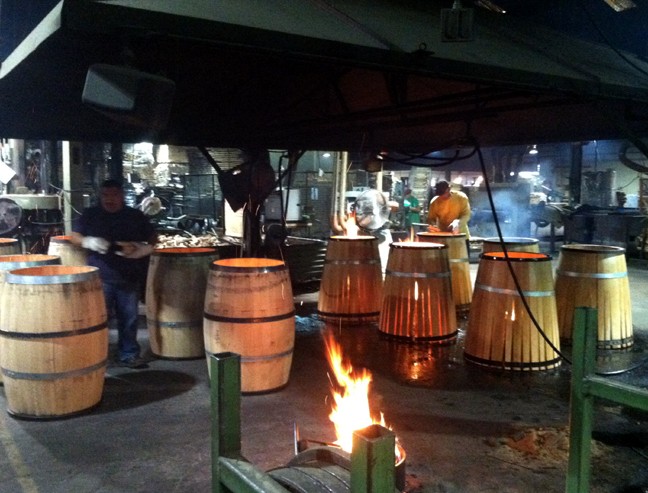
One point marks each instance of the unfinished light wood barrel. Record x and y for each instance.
(462, 286)
(500, 332)
(417, 295)
(9, 246)
(512, 244)
(249, 310)
(70, 253)
(175, 300)
(595, 276)
(20, 261)
(54, 339)
(351, 286)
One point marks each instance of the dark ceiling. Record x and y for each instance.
(346, 75)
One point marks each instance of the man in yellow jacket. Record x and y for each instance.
(449, 210)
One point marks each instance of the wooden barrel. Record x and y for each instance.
(19, 261)
(249, 310)
(512, 243)
(70, 253)
(417, 295)
(462, 286)
(54, 340)
(595, 276)
(175, 300)
(500, 333)
(351, 286)
(10, 246)
(13, 262)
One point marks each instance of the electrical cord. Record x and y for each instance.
(519, 288)
(431, 161)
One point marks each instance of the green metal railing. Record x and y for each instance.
(585, 386)
(372, 460)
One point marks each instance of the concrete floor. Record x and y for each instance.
(465, 429)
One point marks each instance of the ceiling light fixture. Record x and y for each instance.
(534, 150)
(621, 5)
(488, 5)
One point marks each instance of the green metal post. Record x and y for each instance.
(225, 382)
(373, 460)
(581, 402)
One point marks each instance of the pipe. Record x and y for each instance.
(335, 225)
(342, 214)
(338, 204)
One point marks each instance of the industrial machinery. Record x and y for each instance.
(33, 218)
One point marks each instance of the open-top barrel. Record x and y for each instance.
(595, 276)
(351, 286)
(249, 310)
(417, 295)
(54, 340)
(462, 288)
(501, 332)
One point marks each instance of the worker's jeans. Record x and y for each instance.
(121, 302)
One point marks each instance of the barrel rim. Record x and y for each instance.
(60, 239)
(353, 238)
(29, 276)
(229, 265)
(418, 245)
(7, 265)
(513, 240)
(548, 364)
(440, 234)
(593, 248)
(517, 256)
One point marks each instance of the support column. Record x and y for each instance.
(72, 182)
(116, 164)
(575, 173)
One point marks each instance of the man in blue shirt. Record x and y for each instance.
(120, 240)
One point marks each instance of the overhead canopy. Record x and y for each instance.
(353, 75)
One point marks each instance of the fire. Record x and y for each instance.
(350, 410)
(351, 227)
(411, 238)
